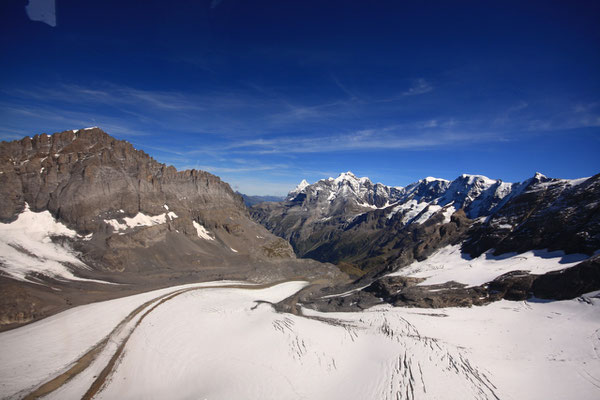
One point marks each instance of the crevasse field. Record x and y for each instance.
(208, 342)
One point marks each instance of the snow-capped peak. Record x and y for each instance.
(301, 185)
(478, 178)
(345, 176)
(539, 176)
(299, 188)
(430, 179)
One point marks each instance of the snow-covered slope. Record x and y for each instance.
(450, 264)
(38, 352)
(227, 343)
(27, 249)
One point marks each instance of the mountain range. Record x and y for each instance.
(87, 217)
(372, 230)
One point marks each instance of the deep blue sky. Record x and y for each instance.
(266, 93)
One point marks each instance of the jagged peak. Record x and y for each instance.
(304, 183)
(344, 176)
(299, 188)
(350, 177)
(539, 176)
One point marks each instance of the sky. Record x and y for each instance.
(267, 93)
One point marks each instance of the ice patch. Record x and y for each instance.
(576, 182)
(26, 248)
(202, 231)
(427, 213)
(411, 209)
(449, 264)
(139, 219)
(448, 214)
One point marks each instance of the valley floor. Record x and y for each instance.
(203, 341)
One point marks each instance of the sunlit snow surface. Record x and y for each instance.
(202, 231)
(221, 344)
(34, 353)
(26, 247)
(140, 219)
(449, 264)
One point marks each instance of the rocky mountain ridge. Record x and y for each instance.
(339, 221)
(347, 202)
(130, 221)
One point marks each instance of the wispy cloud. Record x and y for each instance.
(392, 137)
(42, 10)
(586, 107)
(113, 95)
(28, 119)
(420, 86)
(577, 116)
(351, 95)
(250, 168)
(258, 121)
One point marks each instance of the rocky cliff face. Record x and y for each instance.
(124, 218)
(80, 175)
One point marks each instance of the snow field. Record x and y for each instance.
(449, 264)
(26, 248)
(220, 343)
(37, 352)
(217, 344)
(140, 219)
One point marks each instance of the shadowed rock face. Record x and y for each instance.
(92, 182)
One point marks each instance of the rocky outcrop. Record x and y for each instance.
(403, 291)
(569, 283)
